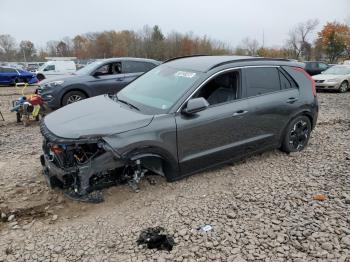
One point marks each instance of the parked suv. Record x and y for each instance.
(106, 76)
(184, 116)
(315, 67)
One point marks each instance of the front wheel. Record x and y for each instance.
(297, 134)
(72, 97)
(343, 87)
(40, 77)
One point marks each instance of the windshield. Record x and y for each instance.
(88, 68)
(159, 89)
(337, 70)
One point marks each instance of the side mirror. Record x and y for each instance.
(195, 105)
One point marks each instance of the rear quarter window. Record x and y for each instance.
(261, 80)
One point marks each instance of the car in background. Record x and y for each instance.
(315, 67)
(33, 66)
(55, 68)
(184, 116)
(336, 77)
(12, 76)
(106, 76)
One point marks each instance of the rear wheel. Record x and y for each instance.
(343, 87)
(297, 134)
(72, 97)
(40, 77)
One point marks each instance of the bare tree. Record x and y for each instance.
(298, 38)
(252, 45)
(8, 46)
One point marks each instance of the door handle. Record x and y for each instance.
(119, 79)
(240, 112)
(291, 100)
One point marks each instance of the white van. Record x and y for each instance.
(56, 68)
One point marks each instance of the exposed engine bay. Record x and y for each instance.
(82, 167)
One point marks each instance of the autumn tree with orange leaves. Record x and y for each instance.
(334, 41)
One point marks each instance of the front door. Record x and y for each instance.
(215, 134)
(106, 79)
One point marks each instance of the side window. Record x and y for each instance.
(285, 83)
(103, 70)
(221, 89)
(134, 67)
(322, 66)
(262, 80)
(109, 69)
(148, 66)
(50, 68)
(9, 70)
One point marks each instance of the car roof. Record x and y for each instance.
(9, 67)
(116, 59)
(205, 63)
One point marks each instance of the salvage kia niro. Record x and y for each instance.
(182, 117)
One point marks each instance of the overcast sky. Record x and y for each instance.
(226, 20)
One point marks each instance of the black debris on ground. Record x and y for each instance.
(155, 238)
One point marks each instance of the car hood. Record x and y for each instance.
(326, 77)
(96, 116)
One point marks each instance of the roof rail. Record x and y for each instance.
(179, 57)
(249, 59)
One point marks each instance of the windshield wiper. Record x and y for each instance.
(127, 103)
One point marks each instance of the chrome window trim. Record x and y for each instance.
(217, 73)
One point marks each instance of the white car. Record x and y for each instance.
(334, 78)
(56, 68)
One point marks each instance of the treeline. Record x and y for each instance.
(332, 44)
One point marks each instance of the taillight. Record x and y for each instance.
(313, 84)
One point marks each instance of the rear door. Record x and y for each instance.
(272, 97)
(8, 75)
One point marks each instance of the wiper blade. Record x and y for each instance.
(127, 103)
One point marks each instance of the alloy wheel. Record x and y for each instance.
(343, 87)
(299, 135)
(73, 99)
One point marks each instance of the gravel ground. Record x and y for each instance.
(270, 207)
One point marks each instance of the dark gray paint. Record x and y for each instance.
(215, 135)
(89, 84)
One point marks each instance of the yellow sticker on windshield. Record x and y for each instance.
(185, 74)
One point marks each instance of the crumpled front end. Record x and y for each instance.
(79, 166)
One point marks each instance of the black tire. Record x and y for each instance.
(18, 117)
(344, 87)
(297, 134)
(15, 81)
(72, 97)
(40, 77)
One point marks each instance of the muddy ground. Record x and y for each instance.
(262, 208)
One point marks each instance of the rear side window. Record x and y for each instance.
(262, 80)
(285, 82)
(8, 70)
(136, 67)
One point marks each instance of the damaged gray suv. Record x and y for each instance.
(184, 116)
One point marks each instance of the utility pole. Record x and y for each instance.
(263, 38)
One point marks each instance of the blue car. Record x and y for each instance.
(11, 76)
